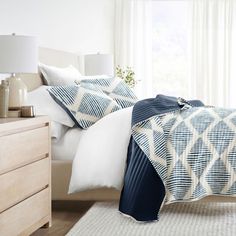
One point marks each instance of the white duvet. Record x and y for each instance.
(100, 158)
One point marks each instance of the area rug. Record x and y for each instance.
(181, 219)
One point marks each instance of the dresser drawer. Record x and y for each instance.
(23, 217)
(23, 182)
(22, 148)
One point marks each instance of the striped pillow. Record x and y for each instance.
(115, 88)
(84, 104)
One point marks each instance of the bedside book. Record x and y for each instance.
(14, 113)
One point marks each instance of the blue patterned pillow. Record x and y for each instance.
(114, 88)
(84, 104)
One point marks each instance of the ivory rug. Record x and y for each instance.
(182, 219)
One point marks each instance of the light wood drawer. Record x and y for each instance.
(22, 218)
(22, 148)
(23, 182)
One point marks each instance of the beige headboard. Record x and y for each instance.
(54, 58)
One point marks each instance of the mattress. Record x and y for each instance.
(65, 148)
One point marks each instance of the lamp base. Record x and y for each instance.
(17, 92)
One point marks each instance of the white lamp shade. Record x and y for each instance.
(99, 64)
(18, 54)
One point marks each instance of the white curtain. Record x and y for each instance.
(213, 51)
(133, 41)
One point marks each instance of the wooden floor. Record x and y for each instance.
(64, 216)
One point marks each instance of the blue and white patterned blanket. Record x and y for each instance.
(193, 152)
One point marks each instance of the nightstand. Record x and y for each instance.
(25, 175)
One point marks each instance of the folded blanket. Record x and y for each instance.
(180, 151)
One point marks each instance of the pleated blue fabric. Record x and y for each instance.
(143, 191)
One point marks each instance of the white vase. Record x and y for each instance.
(17, 92)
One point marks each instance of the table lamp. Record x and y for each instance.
(18, 54)
(98, 64)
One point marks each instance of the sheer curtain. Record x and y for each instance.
(212, 51)
(133, 41)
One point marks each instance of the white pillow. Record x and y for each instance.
(83, 77)
(45, 105)
(101, 156)
(54, 76)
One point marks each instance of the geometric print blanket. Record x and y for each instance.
(193, 150)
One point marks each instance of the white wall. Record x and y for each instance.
(81, 26)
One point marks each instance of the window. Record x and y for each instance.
(170, 48)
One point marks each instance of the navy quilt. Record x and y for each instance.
(179, 151)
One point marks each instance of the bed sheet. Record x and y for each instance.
(65, 148)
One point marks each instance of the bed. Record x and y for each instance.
(61, 169)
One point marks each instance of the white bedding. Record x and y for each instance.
(65, 148)
(100, 159)
(57, 131)
(45, 105)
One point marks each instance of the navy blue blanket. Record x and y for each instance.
(143, 191)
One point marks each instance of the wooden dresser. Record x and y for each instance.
(25, 175)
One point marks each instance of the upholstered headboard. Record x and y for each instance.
(54, 58)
